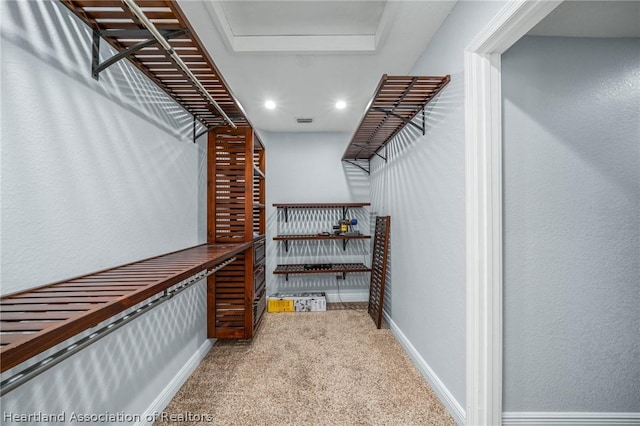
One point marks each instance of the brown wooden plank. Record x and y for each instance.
(67, 307)
(167, 269)
(319, 205)
(403, 96)
(47, 294)
(9, 338)
(333, 267)
(72, 323)
(118, 3)
(170, 16)
(320, 237)
(225, 332)
(60, 289)
(25, 325)
(218, 251)
(147, 273)
(102, 279)
(58, 299)
(96, 13)
(133, 274)
(35, 316)
(379, 268)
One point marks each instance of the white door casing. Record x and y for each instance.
(483, 165)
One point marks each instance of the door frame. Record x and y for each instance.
(483, 171)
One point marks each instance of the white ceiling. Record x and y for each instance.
(298, 26)
(591, 19)
(252, 18)
(307, 54)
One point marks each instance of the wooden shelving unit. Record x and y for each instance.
(318, 205)
(236, 157)
(259, 302)
(379, 268)
(114, 22)
(319, 237)
(329, 268)
(396, 103)
(333, 268)
(303, 237)
(344, 206)
(38, 319)
(259, 187)
(236, 212)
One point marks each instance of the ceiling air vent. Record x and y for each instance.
(304, 120)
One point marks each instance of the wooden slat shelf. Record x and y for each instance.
(236, 184)
(35, 320)
(319, 237)
(344, 206)
(395, 103)
(302, 237)
(109, 16)
(379, 261)
(332, 268)
(318, 205)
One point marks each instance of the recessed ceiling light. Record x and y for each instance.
(341, 104)
(270, 104)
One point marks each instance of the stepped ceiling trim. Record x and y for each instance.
(302, 26)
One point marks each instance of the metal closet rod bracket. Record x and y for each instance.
(366, 148)
(157, 34)
(286, 214)
(206, 130)
(404, 120)
(97, 67)
(203, 132)
(197, 135)
(353, 163)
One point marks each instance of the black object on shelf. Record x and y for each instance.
(317, 266)
(341, 268)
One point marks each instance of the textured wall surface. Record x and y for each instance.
(123, 372)
(94, 174)
(306, 168)
(572, 225)
(422, 187)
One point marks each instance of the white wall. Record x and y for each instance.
(94, 174)
(307, 168)
(422, 187)
(571, 225)
(135, 370)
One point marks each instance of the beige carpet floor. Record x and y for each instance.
(316, 368)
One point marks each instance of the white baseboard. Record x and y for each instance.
(167, 394)
(347, 295)
(569, 418)
(452, 405)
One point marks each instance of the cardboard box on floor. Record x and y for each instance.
(297, 302)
